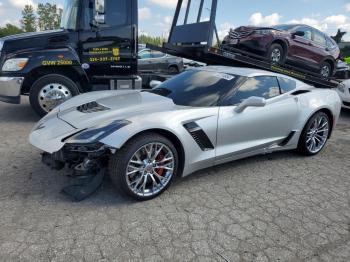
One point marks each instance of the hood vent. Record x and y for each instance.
(92, 107)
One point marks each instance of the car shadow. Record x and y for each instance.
(107, 195)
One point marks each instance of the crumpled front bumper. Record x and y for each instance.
(10, 89)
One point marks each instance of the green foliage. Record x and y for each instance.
(347, 60)
(9, 29)
(143, 39)
(28, 19)
(49, 16)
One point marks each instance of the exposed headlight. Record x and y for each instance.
(14, 64)
(96, 133)
(263, 32)
(341, 87)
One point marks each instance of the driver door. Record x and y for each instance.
(256, 128)
(109, 48)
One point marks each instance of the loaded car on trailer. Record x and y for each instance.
(296, 44)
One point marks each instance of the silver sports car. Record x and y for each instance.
(200, 118)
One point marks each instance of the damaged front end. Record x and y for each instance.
(88, 164)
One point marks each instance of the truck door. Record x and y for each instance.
(109, 48)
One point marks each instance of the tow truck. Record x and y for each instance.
(97, 49)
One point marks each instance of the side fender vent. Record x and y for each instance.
(199, 136)
(300, 92)
(92, 107)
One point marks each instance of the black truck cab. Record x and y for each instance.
(96, 48)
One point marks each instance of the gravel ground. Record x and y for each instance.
(279, 207)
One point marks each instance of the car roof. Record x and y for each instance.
(244, 71)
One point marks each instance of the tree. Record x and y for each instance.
(338, 37)
(144, 39)
(28, 19)
(49, 16)
(9, 29)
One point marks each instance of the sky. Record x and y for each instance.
(155, 16)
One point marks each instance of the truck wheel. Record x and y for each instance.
(50, 91)
(144, 167)
(276, 54)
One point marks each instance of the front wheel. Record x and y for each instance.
(276, 54)
(50, 91)
(315, 134)
(326, 70)
(145, 167)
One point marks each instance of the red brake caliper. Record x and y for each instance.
(160, 171)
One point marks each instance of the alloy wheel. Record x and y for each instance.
(53, 95)
(317, 134)
(150, 169)
(276, 55)
(325, 71)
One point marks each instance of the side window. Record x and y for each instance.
(262, 86)
(157, 54)
(319, 38)
(286, 85)
(116, 12)
(331, 43)
(145, 54)
(307, 32)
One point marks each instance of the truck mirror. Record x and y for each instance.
(99, 12)
(100, 6)
(99, 19)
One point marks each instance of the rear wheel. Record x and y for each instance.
(326, 70)
(173, 69)
(145, 167)
(50, 91)
(276, 54)
(315, 134)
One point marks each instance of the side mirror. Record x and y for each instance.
(155, 83)
(253, 101)
(99, 12)
(298, 33)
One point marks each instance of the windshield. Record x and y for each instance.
(197, 88)
(70, 14)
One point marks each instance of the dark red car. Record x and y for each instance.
(300, 45)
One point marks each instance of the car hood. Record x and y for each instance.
(252, 28)
(94, 108)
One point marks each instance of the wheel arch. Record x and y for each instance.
(330, 115)
(77, 76)
(331, 61)
(173, 65)
(172, 137)
(282, 43)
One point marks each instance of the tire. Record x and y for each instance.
(119, 166)
(174, 69)
(53, 84)
(276, 54)
(326, 70)
(309, 133)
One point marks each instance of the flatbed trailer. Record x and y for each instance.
(195, 41)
